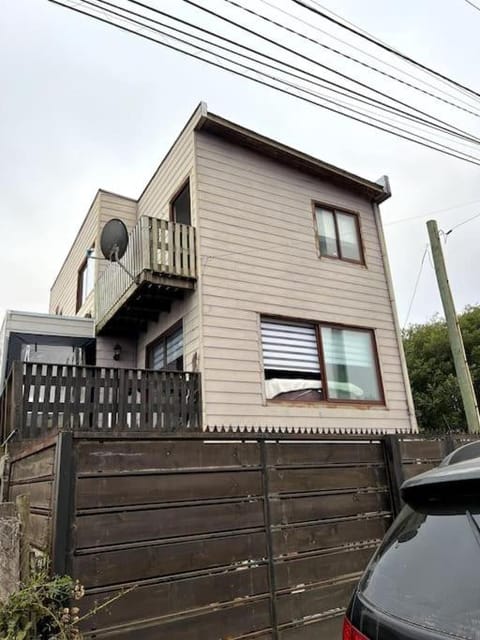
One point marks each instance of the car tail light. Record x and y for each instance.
(350, 633)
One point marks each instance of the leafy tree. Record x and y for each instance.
(435, 389)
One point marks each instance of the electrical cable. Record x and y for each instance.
(315, 27)
(289, 50)
(351, 58)
(422, 262)
(386, 47)
(339, 88)
(407, 136)
(430, 213)
(472, 4)
(460, 224)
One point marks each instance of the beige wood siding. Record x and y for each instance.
(258, 256)
(63, 294)
(177, 166)
(106, 205)
(128, 353)
(113, 205)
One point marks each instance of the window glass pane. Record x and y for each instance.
(157, 356)
(181, 206)
(175, 346)
(350, 364)
(426, 572)
(86, 280)
(347, 231)
(326, 233)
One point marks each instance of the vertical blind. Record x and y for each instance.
(289, 346)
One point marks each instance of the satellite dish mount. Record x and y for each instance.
(114, 243)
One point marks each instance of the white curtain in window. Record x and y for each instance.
(341, 346)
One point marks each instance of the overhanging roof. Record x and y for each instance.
(216, 125)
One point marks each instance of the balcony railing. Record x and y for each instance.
(159, 253)
(38, 398)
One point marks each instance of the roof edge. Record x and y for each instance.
(210, 122)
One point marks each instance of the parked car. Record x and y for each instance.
(424, 580)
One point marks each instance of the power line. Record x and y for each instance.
(339, 89)
(365, 53)
(461, 133)
(460, 224)
(422, 262)
(385, 47)
(369, 100)
(294, 52)
(351, 58)
(406, 135)
(472, 4)
(430, 213)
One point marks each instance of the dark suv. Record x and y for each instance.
(424, 581)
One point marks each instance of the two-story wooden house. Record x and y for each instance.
(258, 266)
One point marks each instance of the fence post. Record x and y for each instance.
(393, 462)
(269, 541)
(63, 489)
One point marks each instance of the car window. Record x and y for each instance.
(427, 572)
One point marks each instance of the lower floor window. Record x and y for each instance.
(167, 351)
(309, 362)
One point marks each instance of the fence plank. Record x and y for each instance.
(153, 524)
(312, 569)
(314, 508)
(123, 456)
(101, 491)
(157, 560)
(298, 453)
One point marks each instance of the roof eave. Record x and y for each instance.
(211, 123)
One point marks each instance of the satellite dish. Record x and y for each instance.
(114, 240)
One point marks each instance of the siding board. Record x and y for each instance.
(258, 233)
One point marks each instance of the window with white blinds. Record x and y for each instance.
(289, 347)
(292, 363)
(167, 352)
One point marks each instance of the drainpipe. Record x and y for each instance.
(384, 181)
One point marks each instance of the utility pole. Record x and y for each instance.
(454, 334)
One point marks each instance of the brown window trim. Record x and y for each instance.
(364, 404)
(334, 210)
(162, 337)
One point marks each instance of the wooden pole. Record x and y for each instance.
(454, 334)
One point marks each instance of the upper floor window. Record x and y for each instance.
(338, 234)
(180, 209)
(86, 276)
(310, 362)
(167, 351)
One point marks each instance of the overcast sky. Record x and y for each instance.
(84, 106)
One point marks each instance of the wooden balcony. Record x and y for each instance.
(161, 260)
(41, 398)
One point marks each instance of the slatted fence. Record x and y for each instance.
(40, 398)
(238, 536)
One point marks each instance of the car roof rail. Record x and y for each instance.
(468, 451)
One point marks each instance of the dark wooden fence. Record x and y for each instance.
(32, 471)
(40, 398)
(239, 536)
